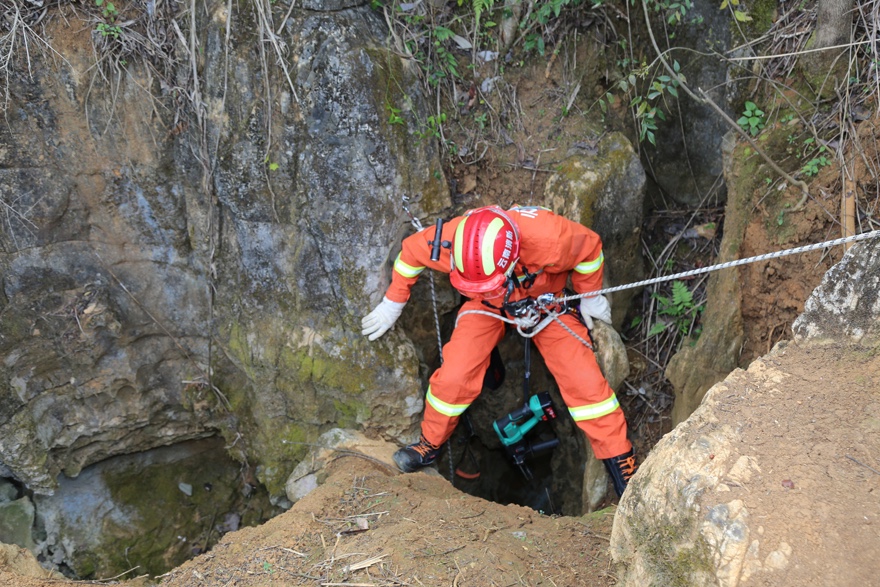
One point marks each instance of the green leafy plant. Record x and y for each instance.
(394, 116)
(108, 30)
(780, 218)
(433, 127)
(813, 166)
(738, 13)
(752, 120)
(270, 164)
(108, 11)
(646, 108)
(680, 309)
(675, 10)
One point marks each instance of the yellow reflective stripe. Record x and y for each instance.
(487, 250)
(457, 245)
(593, 411)
(591, 266)
(405, 269)
(449, 410)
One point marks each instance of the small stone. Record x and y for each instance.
(186, 488)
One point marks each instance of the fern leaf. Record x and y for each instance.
(681, 295)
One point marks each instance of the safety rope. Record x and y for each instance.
(764, 257)
(418, 226)
(531, 323)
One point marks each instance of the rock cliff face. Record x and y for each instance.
(168, 279)
(146, 302)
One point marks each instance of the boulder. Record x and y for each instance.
(333, 444)
(16, 520)
(846, 305)
(601, 184)
(769, 480)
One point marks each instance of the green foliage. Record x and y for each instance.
(675, 10)
(480, 6)
(681, 310)
(646, 108)
(394, 116)
(738, 13)
(813, 166)
(780, 218)
(752, 120)
(108, 30)
(108, 11)
(433, 127)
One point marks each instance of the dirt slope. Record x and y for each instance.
(368, 525)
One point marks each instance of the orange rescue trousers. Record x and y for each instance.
(459, 381)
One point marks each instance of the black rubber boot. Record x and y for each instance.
(416, 456)
(620, 469)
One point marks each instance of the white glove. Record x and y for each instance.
(383, 317)
(595, 307)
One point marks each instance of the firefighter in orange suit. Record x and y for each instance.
(521, 252)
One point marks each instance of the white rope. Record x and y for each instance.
(531, 324)
(764, 257)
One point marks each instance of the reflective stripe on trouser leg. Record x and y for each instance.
(593, 411)
(459, 381)
(586, 393)
(448, 410)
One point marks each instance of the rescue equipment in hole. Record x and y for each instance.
(513, 428)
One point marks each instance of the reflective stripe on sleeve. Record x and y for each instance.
(591, 266)
(448, 410)
(405, 269)
(593, 411)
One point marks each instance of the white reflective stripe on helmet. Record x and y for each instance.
(405, 269)
(590, 266)
(449, 410)
(593, 411)
(487, 251)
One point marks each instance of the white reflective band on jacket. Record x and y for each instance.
(407, 271)
(449, 410)
(590, 266)
(593, 411)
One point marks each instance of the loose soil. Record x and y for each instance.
(810, 417)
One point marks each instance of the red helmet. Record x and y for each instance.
(484, 250)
